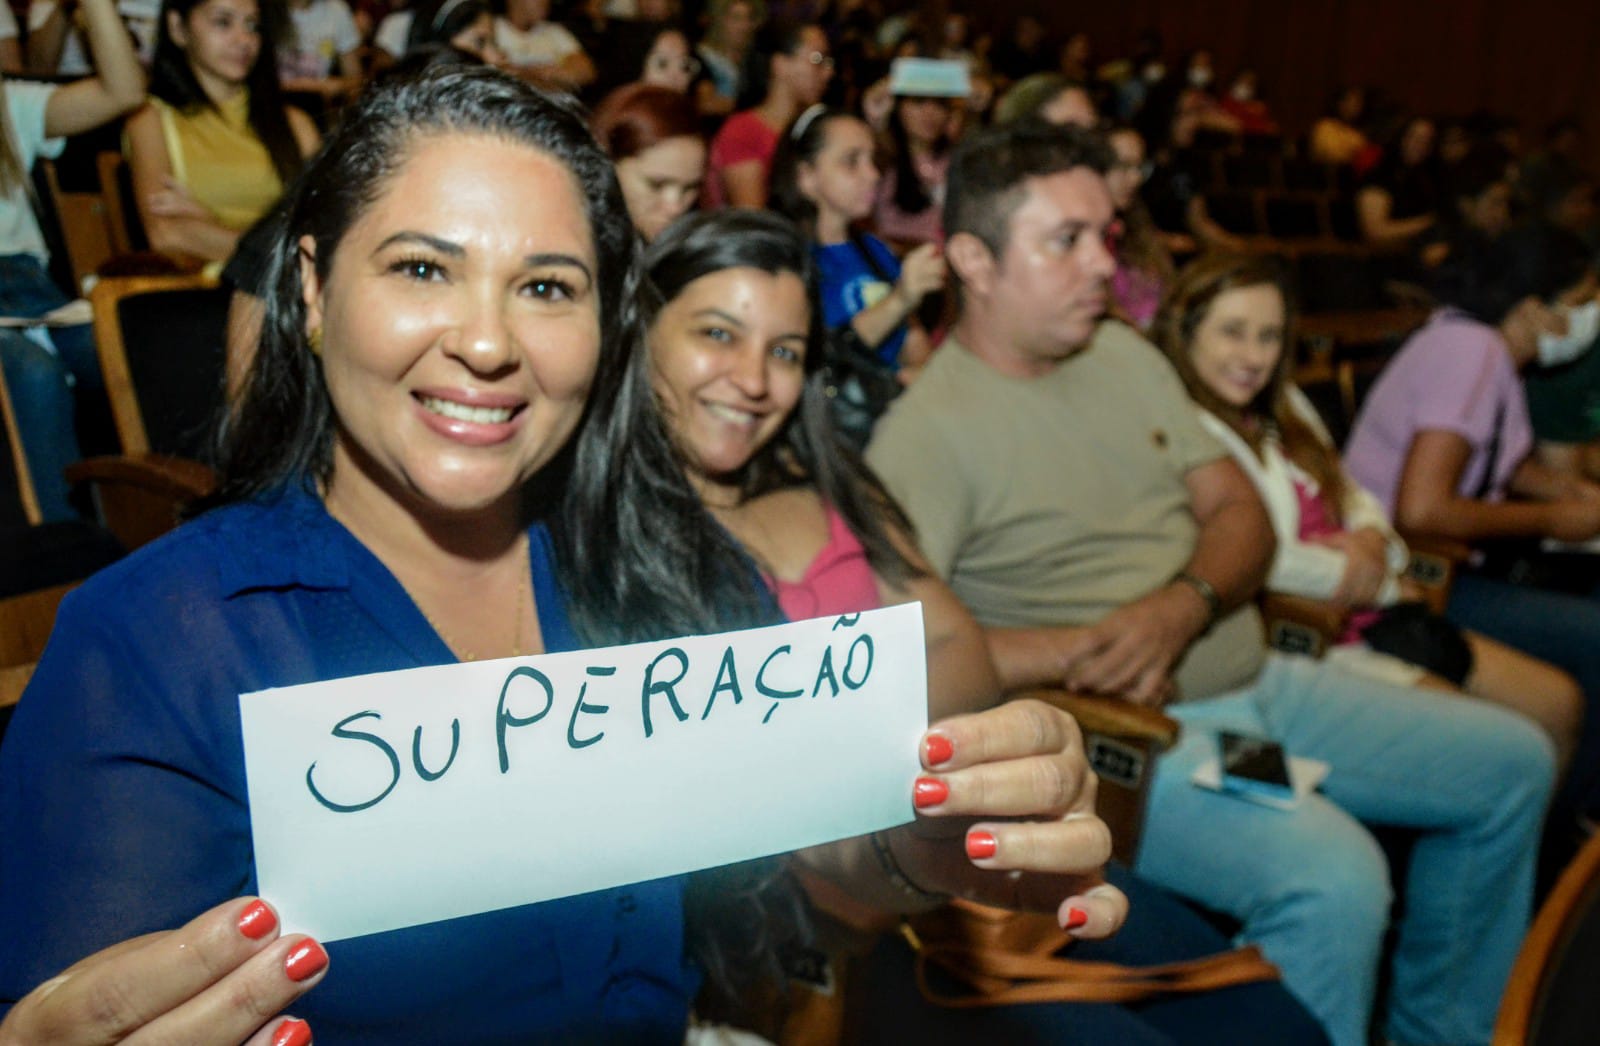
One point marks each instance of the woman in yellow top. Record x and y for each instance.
(215, 146)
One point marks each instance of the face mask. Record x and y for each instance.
(1583, 323)
(1199, 77)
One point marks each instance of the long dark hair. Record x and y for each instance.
(282, 430)
(173, 81)
(910, 195)
(1189, 301)
(646, 541)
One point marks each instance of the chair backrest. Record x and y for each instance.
(121, 206)
(1550, 997)
(162, 344)
(74, 223)
(1236, 210)
(19, 507)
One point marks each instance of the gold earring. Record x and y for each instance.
(314, 339)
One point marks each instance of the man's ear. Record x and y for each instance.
(310, 283)
(974, 264)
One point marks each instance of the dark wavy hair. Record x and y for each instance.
(650, 561)
(173, 81)
(282, 430)
(647, 542)
(990, 168)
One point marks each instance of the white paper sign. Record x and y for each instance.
(400, 798)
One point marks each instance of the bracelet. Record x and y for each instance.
(1205, 591)
(896, 875)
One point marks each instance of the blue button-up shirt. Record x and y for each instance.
(123, 806)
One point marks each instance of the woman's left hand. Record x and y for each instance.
(1006, 817)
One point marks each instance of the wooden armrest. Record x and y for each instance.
(1441, 548)
(141, 496)
(13, 681)
(1109, 715)
(1121, 741)
(1433, 566)
(1297, 625)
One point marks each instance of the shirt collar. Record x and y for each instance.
(283, 539)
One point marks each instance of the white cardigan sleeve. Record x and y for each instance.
(1301, 568)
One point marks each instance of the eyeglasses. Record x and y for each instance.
(688, 66)
(818, 58)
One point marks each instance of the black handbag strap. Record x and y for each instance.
(1486, 481)
(858, 240)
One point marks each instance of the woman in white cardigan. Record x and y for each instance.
(1225, 326)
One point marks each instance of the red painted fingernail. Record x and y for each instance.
(292, 1033)
(981, 845)
(307, 960)
(256, 921)
(939, 749)
(929, 791)
(1076, 917)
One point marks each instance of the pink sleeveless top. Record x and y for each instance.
(838, 581)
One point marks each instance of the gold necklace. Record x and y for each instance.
(523, 598)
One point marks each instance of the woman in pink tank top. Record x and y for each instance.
(731, 347)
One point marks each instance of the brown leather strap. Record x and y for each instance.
(1007, 980)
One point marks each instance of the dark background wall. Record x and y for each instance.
(1533, 60)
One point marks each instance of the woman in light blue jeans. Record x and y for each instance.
(1312, 886)
(41, 380)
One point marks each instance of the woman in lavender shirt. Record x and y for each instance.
(1443, 440)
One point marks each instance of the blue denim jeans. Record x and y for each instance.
(1312, 887)
(1557, 627)
(41, 382)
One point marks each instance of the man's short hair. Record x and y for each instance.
(987, 171)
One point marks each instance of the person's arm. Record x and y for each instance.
(1005, 816)
(225, 976)
(172, 220)
(1428, 501)
(1538, 481)
(350, 66)
(744, 184)
(707, 102)
(1131, 651)
(1206, 230)
(47, 37)
(961, 678)
(117, 87)
(1374, 206)
(306, 136)
(10, 57)
(921, 273)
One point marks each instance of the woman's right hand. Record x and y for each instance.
(1366, 566)
(921, 273)
(1574, 519)
(224, 977)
